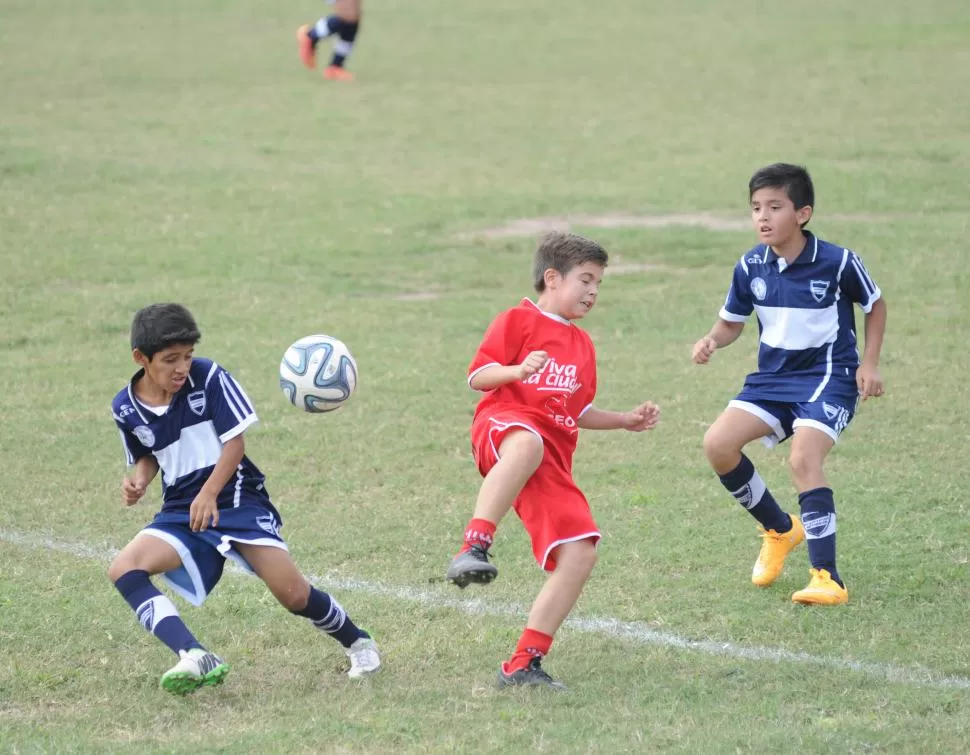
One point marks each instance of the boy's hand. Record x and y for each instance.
(131, 492)
(644, 417)
(869, 380)
(703, 350)
(203, 510)
(532, 364)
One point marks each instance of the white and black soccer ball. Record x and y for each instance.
(318, 374)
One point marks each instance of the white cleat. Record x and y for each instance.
(364, 658)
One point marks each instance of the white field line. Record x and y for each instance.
(631, 631)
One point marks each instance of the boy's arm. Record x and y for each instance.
(495, 375)
(724, 333)
(134, 485)
(205, 507)
(867, 377)
(644, 417)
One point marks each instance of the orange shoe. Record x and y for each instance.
(307, 54)
(822, 590)
(774, 548)
(336, 73)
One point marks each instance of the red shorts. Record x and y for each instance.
(551, 506)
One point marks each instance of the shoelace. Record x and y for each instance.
(481, 552)
(536, 668)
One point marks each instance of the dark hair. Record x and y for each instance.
(794, 179)
(562, 252)
(158, 326)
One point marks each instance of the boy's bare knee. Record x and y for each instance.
(803, 466)
(525, 447)
(293, 597)
(717, 449)
(118, 568)
(580, 555)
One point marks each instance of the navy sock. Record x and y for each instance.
(329, 616)
(155, 611)
(747, 487)
(342, 47)
(818, 519)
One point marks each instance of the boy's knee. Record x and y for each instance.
(580, 555)
(803, 466)
(294, 597)
(718, 450)
(120, 566)
(525, 446)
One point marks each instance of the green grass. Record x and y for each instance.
(179, 152)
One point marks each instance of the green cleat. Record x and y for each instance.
(196, 668)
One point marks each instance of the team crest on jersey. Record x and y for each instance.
(197, 402)
(759, 288)
(819, 289)
(145, 436)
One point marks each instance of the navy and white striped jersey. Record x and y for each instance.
(187, 437)
(805, 317)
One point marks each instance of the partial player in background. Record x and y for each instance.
(809, 379)
(344, 22)
(537, 371)
(186, 416)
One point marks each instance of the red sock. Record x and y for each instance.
(532, 644)
(479, 532)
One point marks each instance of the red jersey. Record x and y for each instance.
(554, 398)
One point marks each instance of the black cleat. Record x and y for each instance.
(471, 566)
(532, 676)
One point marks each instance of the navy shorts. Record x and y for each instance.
(204, 554)
(831, 413)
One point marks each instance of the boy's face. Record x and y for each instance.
(169, 368)
(774, 216)
(574, 294)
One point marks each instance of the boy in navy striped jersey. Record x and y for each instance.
(809, 378)
(185, 416)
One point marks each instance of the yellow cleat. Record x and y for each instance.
(822, 590)
(774, 548)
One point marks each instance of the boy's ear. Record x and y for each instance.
(551, 277)
(139, 358)
(804, 214)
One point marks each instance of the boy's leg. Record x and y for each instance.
(558, 596)
(810, 447)
(345, 23)
(519, 455)
(723, 441)
(288, 585)
(130, 570)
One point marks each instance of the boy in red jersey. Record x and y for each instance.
(538, 373)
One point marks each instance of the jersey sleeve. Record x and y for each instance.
(134, 450)
(857, 284)
(501, 345)
(738, 305)
(228, 405)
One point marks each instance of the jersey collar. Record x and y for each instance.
(136, 402)
(807, 256)
(550, 315)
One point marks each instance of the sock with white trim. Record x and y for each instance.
(329, 616)
(818, 519)
(155, 612)
(748, 489)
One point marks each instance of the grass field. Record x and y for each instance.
(178, 151)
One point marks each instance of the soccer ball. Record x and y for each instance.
(318, 374)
